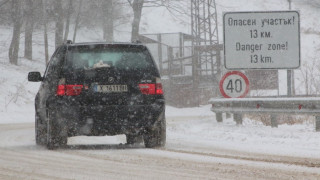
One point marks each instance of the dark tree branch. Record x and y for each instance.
(130, 2)
(3, 3)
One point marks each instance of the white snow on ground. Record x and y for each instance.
(192, 127)
(252, 136)
(16, 94)
(231, 161)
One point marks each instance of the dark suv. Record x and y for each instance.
(99, 89)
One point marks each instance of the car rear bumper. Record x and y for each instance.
(111, 119)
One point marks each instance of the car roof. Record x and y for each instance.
(105, 43)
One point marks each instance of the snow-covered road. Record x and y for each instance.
(110, 158)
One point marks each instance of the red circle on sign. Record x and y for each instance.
(246, 80)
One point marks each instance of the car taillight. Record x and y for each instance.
(68, 90)
(159, 88)
(73, 90)
(147, 88)
(61, 90)
(152, 89)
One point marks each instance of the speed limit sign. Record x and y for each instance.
(234, 84)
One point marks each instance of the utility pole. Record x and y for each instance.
(289, 71)
(289, 4)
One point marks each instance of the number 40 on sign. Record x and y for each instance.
(234, 84)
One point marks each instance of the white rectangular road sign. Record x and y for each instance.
(262, 40)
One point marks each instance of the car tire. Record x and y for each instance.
(56, 134)
(134, 139)
(40, 131)
(156, 137)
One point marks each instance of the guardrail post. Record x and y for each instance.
(238, 118)
(274, 122)
(219, 117)
(228, 115)
(317, 123)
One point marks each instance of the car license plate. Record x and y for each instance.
(110, 88)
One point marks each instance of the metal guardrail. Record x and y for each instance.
(273, 106)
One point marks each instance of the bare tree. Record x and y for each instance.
(29, 14)
(58, 13)
(77, 22)
(137, 6)
(310, 73)
(314, 3)
(107, 12)
(68, 16)
(17, 21)
(45, 33)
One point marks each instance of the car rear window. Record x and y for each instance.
(91, 57)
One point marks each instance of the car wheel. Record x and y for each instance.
(40, 131)
(156, 137)
(56, 134)
(134, 139)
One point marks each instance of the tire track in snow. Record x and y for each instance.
(305, 162)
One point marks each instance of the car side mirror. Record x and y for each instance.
(34, 77)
